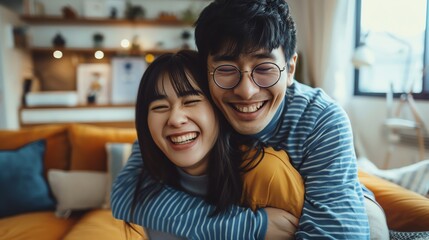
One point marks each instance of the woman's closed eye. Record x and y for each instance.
(157, 107)
(192, 100)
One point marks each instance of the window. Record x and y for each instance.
(395, 33)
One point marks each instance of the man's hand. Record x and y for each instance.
(281, 224)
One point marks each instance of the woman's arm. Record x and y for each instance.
(180, 214)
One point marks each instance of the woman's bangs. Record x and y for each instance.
(181, 79)
(176, 72)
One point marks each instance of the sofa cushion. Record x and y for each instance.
(414, 177)
(77, 190)
(117, 157)
(405, 210)
(100, 224)
(36, 225)
(57, 154)
(22, 185)
(88, 145)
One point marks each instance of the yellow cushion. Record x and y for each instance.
(88, 144)
(99, 224)
(405, 210)
(274, 182)
(37, 225)
(57, 144)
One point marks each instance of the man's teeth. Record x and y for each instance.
(249, 108)
(183, 138)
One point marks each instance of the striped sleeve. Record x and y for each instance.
(334, 205)
(178, 213)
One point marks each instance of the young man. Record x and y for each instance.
(249, 47)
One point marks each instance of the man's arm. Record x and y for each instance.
(334, 203)
(178, 213)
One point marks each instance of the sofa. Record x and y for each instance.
(75, 168)
(75, 156)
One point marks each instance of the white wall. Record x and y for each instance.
(2, 98)
(151, 7)
(15, 65)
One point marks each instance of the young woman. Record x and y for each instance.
(187, 144)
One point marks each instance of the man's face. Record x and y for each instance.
(248, 107)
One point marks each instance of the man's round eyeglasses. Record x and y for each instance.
(264, 75)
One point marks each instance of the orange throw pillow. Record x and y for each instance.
(405, 210)
(89, 145)
(57, 145)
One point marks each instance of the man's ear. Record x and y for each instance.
(292, 63)
(292, 68)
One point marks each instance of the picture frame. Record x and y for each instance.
(93, 83)
(126, 76)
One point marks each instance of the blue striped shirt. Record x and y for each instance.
(181, 214)
(317, 135)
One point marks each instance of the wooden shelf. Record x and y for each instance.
(82, 106)
(59, 20)
(107, 115)
(108, 51)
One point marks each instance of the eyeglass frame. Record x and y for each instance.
(241, 75)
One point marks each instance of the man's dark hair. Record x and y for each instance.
(243, 26)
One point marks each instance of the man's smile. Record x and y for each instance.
(248, 108)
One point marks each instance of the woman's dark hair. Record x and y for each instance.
(224, 184)
(243, 26)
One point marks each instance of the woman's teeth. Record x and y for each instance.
(186, 138)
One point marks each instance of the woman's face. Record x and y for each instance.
(185, 128)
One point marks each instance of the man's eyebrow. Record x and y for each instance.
(258, 55)
(224, 57)
(261, 55)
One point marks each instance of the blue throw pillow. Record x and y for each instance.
(22, 185)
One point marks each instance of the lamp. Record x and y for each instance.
(363, 56)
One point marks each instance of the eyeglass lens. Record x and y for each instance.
(264, 75)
